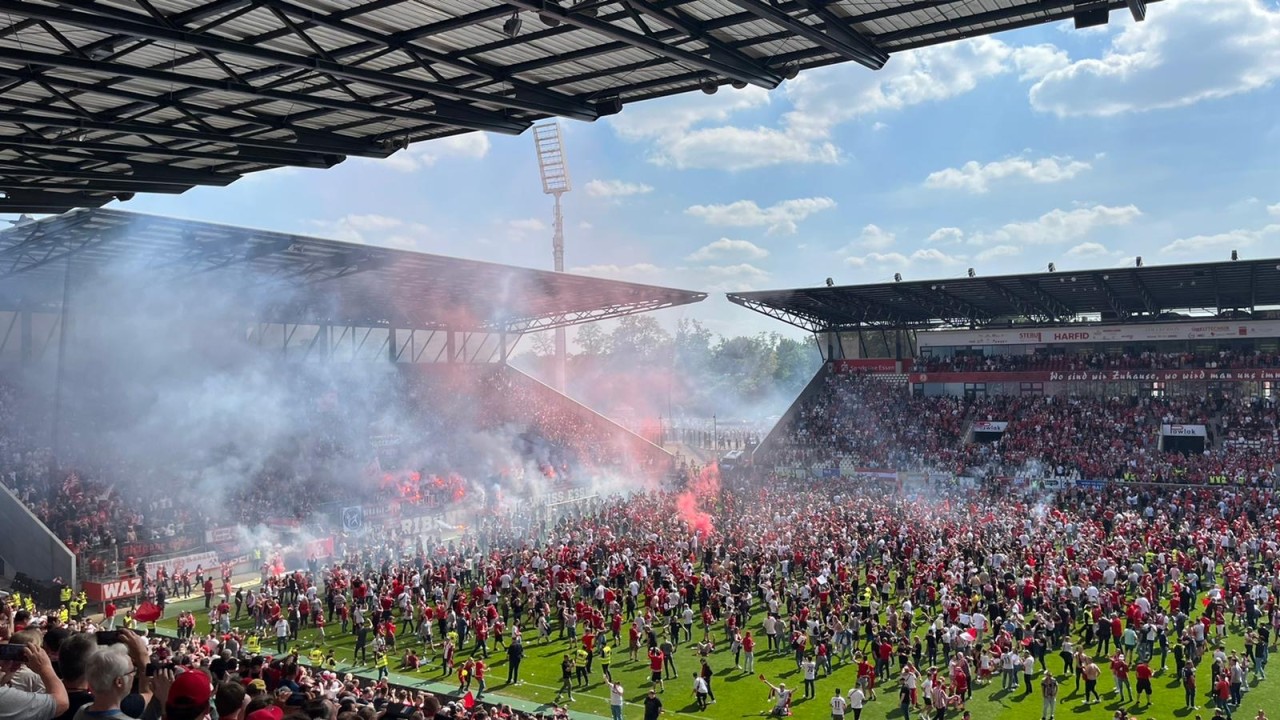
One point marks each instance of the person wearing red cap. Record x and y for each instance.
(271, 712)
(188, 696)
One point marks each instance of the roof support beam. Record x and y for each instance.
(72, 148)
(1054, 309)
(309, 143)
(845, 42)
(842, 29)
(946, 314)
(142, 175)
(695, 29)
(1148, 301)
(476, 121)
(803, 321)
(1112, 299)
(102, 19)
(556, 103)
(1026, 309)
(761, 78)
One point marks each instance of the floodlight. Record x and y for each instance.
(511, 28)
(897, 277)
(972, 273)
(1053, 268)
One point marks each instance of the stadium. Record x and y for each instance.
(260, 475)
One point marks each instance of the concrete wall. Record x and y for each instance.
(27, 546)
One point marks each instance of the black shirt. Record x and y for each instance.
(652, 707)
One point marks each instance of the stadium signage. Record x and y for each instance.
(1097, 376)
(567, 495)
(1102, 334)
(989, 426)
(1183, 430)
(875, 365)
(114, 590)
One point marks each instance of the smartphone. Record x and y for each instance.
(13, 652)
(153, 668)
(108, 637)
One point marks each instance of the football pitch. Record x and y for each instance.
(742, 694)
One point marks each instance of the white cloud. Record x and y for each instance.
(467, 146)
(612, 189)
(373, 229)
(1058, 226)
(860, 261)
(737, 278)
(826, 97)
(999, 251)
(1185, 52)
(873, 237)
(782, 217)
(977, 177)
(527, 225)
(675, 116)
(923, 256)
(693, 132)
(639, 271)
(946, 235)
(1213, 246)
(733, 149)
(1274, 209)
(1091, 251)
(725, 247)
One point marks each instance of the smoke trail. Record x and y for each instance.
(701, 491)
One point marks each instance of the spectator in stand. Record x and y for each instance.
(22, 705)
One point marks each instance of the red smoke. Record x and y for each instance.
(702, 489)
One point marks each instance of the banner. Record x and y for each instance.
(1183, 430)
(219, 535)
(875, 365)
(1255, 375)
(174, 566)
(423, 525)
(988, 426)
(112, 590)
(177, 543)
(353, 518)
(1101, 334)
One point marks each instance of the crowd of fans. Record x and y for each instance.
(455, 429)
(864, 421)
(857, 586)
(1064, 361)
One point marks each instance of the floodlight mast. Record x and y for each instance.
(555, 182)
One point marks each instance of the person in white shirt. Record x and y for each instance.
(615, 699)
(856, 700)
(838, 704)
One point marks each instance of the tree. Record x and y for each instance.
(639, 338)
(796, 363)
(592, 340)
(543, 344)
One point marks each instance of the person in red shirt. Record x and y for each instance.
(656, 659)
(109, 616)
(479, 671)
(1143, 672)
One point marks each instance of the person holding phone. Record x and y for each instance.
(20, 705)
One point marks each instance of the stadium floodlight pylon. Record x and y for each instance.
(554, 170)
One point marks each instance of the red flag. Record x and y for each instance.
(147, 612)
(468, 700)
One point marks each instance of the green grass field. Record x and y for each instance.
(739, 694)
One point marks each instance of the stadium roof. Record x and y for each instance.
(1116, 294)
(322, 281)
(100, 99)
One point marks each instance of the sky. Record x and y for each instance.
(1001, 153)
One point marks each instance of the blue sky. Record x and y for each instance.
(1084, 148)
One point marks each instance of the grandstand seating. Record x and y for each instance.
(460, 424)
(867, 420)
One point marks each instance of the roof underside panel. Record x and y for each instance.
(229, 87)
(294, 279)
(1116, 294)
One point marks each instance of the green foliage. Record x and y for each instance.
(704, 374)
